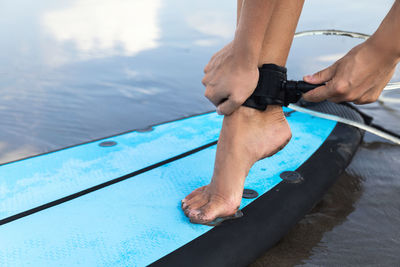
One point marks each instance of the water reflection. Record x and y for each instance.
(73, 71)
(101, 28)
(213, 25)
(329, 58)
(316, 52)
(331, 211)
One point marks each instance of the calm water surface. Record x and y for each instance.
(74, 71)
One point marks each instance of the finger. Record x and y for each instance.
(210, 64)
(208, 67)
(205, 79)
(215, 96)
(228, 107)
(339, 97)
(318, 94)
(367, 98)
(321, 76)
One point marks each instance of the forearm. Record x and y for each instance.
(387, 36)
(253, 18)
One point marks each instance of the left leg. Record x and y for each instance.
(247, 135)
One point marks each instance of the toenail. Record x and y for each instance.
(187, 213)
(194, 212)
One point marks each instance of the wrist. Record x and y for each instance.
(387, 50)
(245, 54)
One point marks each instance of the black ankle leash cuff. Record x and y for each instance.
(273, 88)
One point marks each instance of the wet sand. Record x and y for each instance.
(357, 223)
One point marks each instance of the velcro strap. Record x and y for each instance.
(273, 88)
(269, 88)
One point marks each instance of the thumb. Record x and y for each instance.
(321, 76)
(227, 107)
(319, 94)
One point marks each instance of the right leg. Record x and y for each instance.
(280, 32)
(247, 135)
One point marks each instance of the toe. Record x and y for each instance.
(197, 204)
(193, 194)
(194, 200)
(209, 212)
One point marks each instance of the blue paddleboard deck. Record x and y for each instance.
(91, 205)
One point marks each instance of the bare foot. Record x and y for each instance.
(247, 136)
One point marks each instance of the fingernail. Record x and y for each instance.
(219, 112)
(309, 77)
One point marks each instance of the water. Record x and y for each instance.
(74, 71)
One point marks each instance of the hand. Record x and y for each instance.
(228, 80)
(359, 76)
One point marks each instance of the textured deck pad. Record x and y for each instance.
(139, 220)
(32, 182)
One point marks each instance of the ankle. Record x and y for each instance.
(275, 112)
(251, 112)
(274, 109)
(271, 116)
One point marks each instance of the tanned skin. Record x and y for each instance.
(264, 34)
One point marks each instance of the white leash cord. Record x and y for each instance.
(346, 121)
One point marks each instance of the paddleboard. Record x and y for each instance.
(117, 201)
